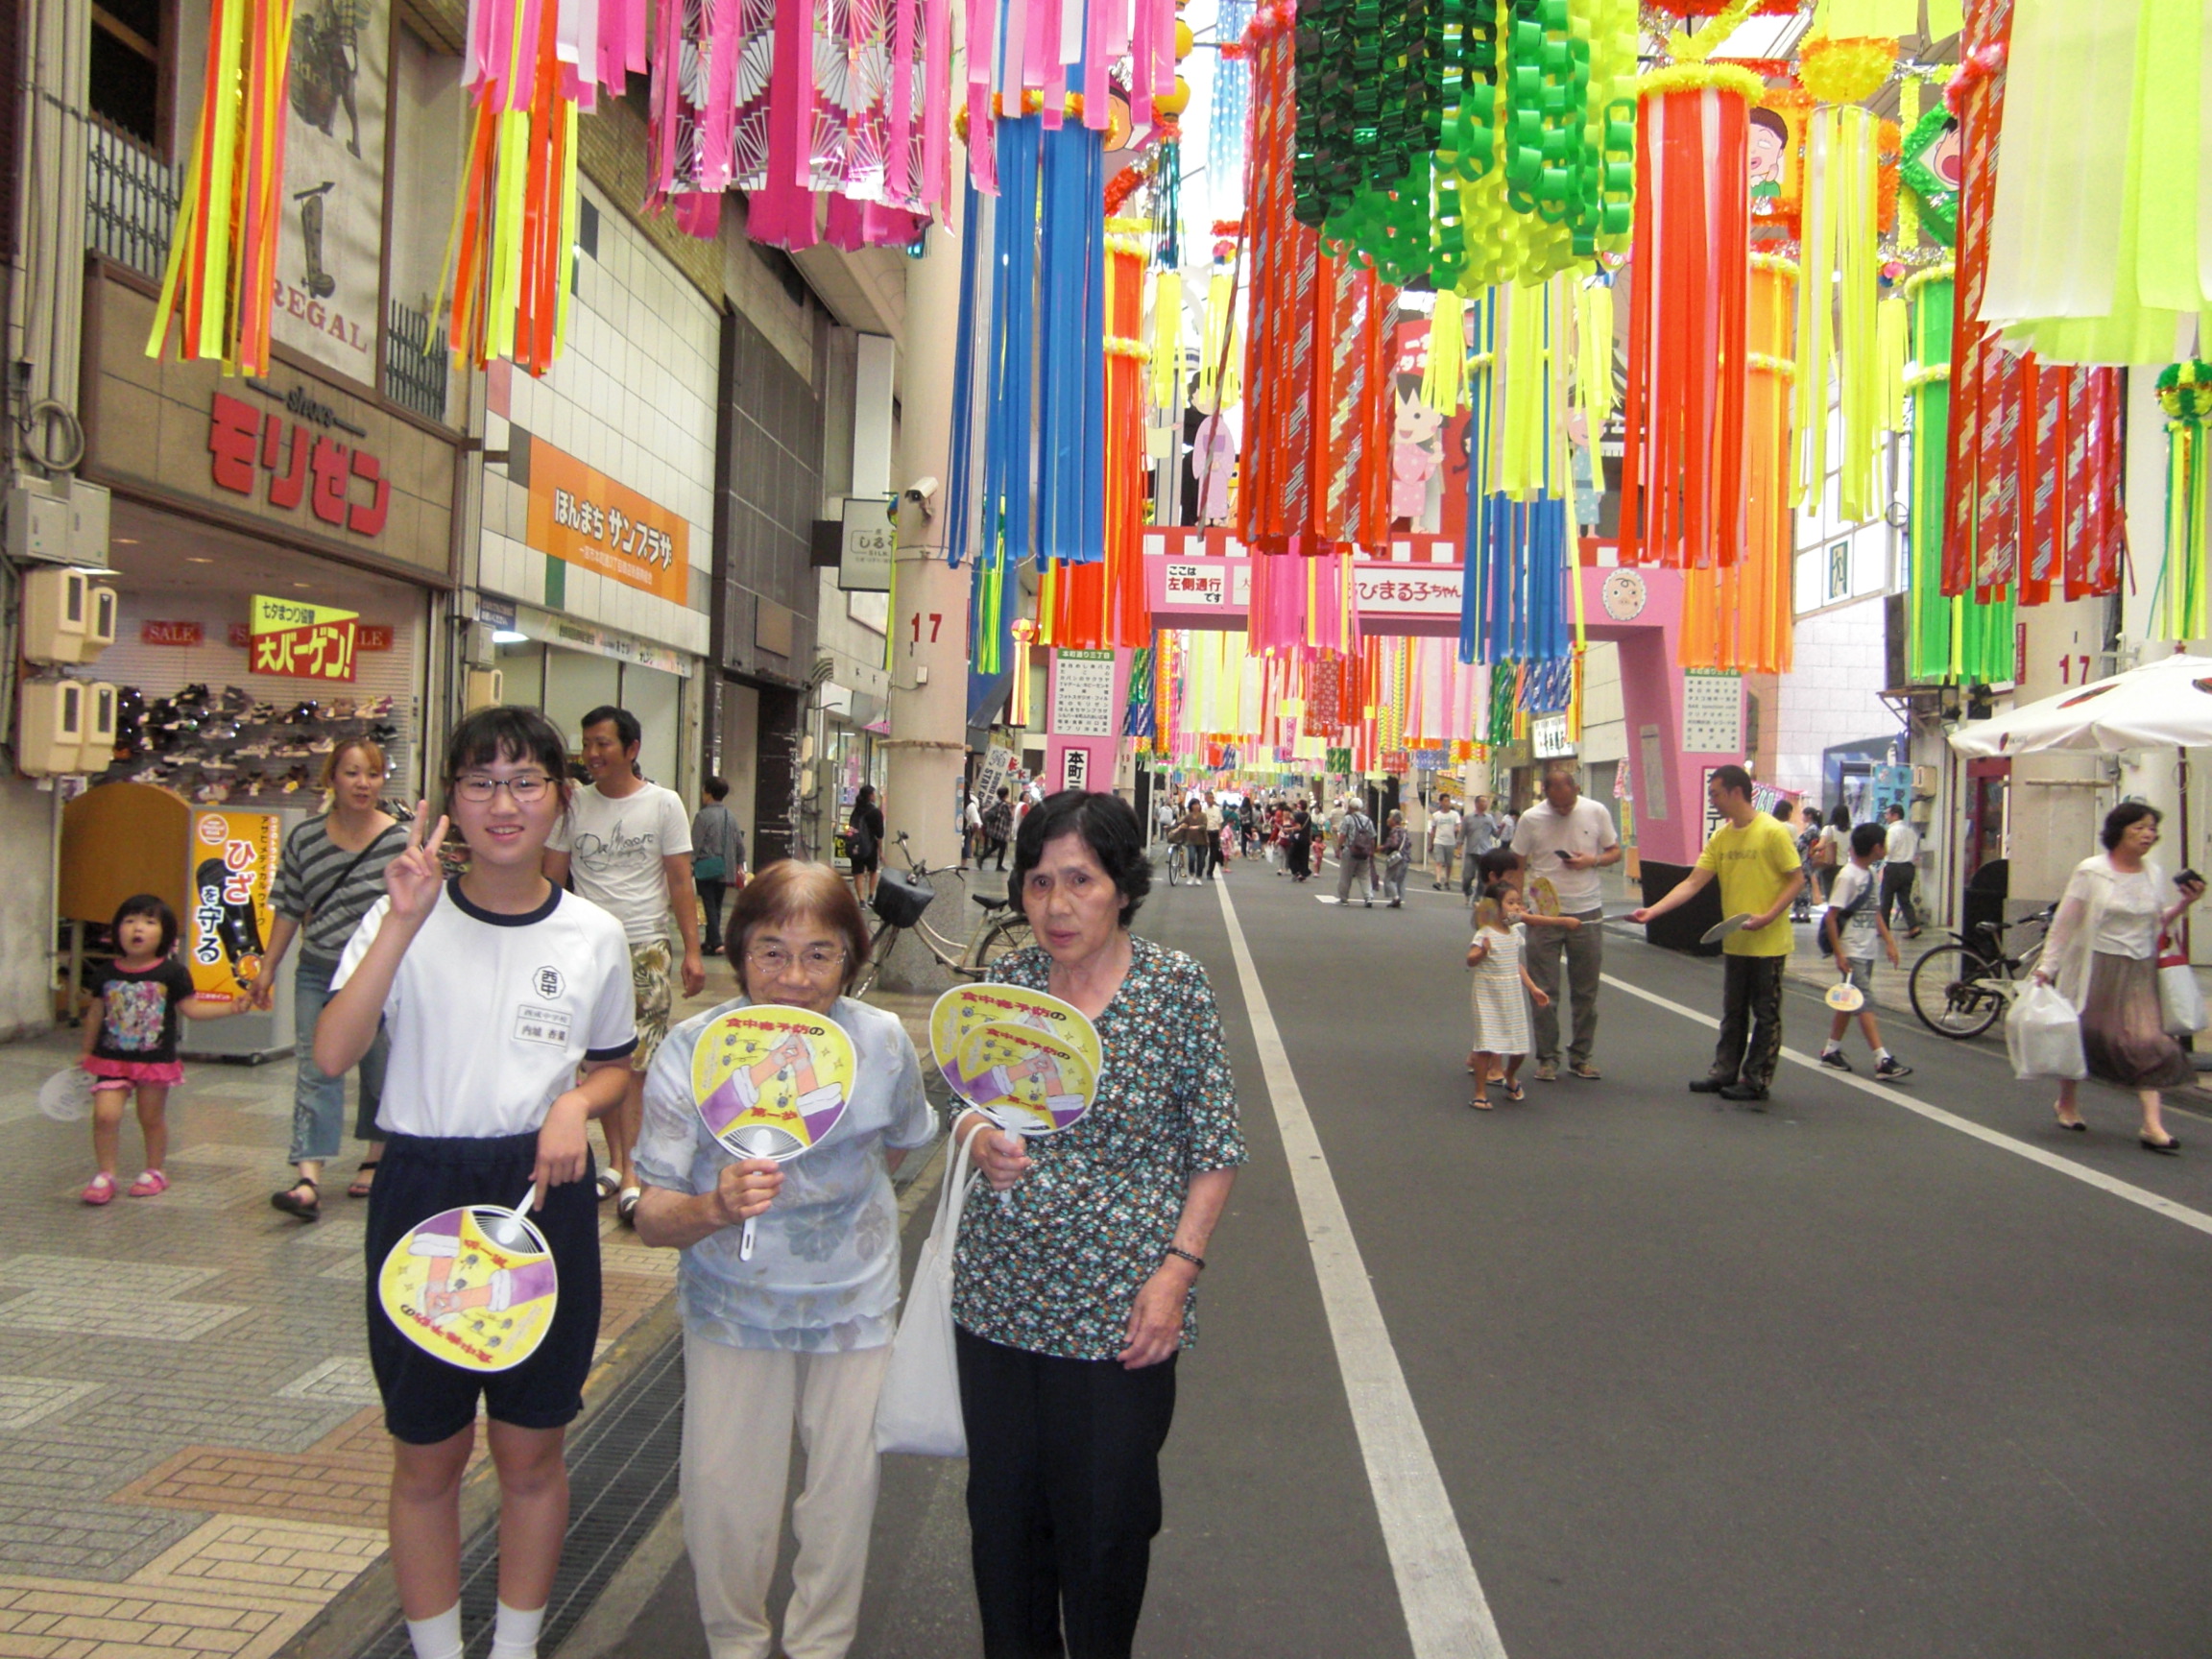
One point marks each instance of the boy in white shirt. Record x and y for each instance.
(1854, 927)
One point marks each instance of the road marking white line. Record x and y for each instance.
(1446, 1612)
(2096, 1178)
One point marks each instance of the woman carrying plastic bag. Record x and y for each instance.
(2102, 957)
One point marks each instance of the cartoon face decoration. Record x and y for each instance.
(1776, 177)
(1932, 170)
(1417, 424)
(1623, 595)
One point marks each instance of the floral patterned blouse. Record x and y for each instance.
(1057, 1267)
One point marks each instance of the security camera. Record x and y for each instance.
(923, 491)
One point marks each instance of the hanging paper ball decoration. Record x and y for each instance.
(1847, 70)
(1183, 41)
(2185, 390)
(1176, 101)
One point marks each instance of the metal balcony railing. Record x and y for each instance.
(131, 199)
(414, 379)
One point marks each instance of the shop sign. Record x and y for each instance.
(1547, 737)
(865, 546)
(277, 457)
(1083, 693)
(372, 636)
(582, 518)
(241, 637)
(233, 861)
(171, 633)
(604, 642)
(1712, 711)
(302, 642)
(499, 613)
(324, 298)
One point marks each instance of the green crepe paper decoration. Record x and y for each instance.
(1939, 200)
(2185, 399)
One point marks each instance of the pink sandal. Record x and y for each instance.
(148, 1185)
(100, 1189)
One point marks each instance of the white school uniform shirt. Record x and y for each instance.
(491, 1015)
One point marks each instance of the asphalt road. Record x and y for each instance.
(1833, 1378)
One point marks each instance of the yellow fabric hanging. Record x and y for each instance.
(1594, 352)
(1167, 342)
(1858, 257)
(1444, 378)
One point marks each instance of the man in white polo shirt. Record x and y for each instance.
(1565, 840)
(627, 845)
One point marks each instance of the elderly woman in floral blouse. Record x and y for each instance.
(801, 1333)
(1071, 1297)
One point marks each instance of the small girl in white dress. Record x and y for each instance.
(1501, 1007)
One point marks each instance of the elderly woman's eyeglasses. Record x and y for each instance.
(814, 959)
(524, 786)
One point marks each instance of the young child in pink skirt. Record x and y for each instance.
(131, 1040)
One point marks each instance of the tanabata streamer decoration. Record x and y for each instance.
(222, 252)
(476, 1288)
(2013, 418)
(2185, 398)
(2097, 227)
(1520, 509)
(1051, 58)
(770, 1081)
(1682, 463)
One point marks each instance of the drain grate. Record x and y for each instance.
(622, 1468)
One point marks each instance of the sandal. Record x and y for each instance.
(150, 1184)
(606, 1185)
(626, 1205)
(1481, 1104)
(309, 1209)
(1515, 1092)
(100, 1189)
(363, 1179)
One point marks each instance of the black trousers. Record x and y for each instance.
(1897, 883)
(711, 894)
(1063, 1496)
(1751, 1045)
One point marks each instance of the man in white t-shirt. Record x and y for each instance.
(1444, 839)
(1564, 840)
(625, 846)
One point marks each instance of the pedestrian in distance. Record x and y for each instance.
(330, 874)
(864, 833)
(1443, 827)
(798, 1335)
(971, 832)
(1563, 841)
(1854, 928)
(130, 1032)
(1298, 844)
(512, 1021)
(1756, 863)
(1901, 871)
(1833, 851)
(717, 859)
(1396, 852)
(1792, 814)
(1072, 1296)
(625, 845)
(998, 829)
(1503, 992)
(2103, 955)
(1356, 856)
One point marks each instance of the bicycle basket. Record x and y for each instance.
(901, 899)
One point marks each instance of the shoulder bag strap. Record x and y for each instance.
(344, 876)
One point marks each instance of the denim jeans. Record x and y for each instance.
(319, 1099)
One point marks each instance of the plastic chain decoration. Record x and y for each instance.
(2185, 399)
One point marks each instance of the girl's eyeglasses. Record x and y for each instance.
(525, 787)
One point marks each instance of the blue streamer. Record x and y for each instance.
(963, 390)
(1071, 333)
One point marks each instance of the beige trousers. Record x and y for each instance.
(739, 1404)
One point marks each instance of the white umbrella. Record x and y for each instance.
(2161, 705)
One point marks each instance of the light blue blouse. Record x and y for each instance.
(824, 1276)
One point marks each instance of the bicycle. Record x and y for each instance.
(899, 904)
(1959, 990)
(1184, 865)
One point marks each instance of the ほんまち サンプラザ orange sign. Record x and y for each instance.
(584, 517)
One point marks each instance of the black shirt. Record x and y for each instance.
(139, 1011)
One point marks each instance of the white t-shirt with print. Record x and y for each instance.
(491, 1015)
(1545, 836)
(615, 850)
(1444, 827)
(1862, 938)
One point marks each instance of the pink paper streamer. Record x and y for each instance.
(1141, 55)
(720, 116)
(1097, 52)
(1163, 46)
(899, 140)
(936, 103)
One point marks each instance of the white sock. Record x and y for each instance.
(439, 1636)
(515, 1634)
(1881, 1054)
(1834, 1045)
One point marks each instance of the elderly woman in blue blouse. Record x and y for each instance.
(801, 1333)
(1071, 1298)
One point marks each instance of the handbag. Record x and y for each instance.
(2181, 998)
(919, 1410)
(2043, 1036)
(709, 869)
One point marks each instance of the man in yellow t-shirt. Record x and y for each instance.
(1756, 861)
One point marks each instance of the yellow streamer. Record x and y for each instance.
(1168, 341)
(1444, 378)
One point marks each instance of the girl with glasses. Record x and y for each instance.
(802, 1332)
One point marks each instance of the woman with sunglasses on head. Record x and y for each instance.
(801, 1333)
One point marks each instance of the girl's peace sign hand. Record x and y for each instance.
(414, 877)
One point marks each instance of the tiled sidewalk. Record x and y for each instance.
(191, 1456)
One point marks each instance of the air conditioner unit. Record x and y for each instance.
(50, 736)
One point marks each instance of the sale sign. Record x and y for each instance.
(301, 641)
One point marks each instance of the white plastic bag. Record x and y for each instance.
(2043, 1034)
(919, 1410)
(2181, 998)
